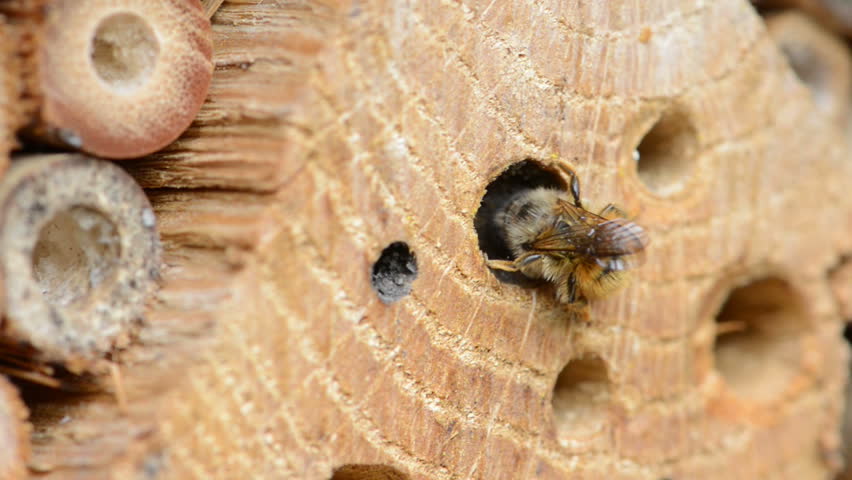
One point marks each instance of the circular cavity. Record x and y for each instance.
(581, 398)
(76, 252)
(524, 175)
(124, 51)
(77, 241)
(812, 71)
(394, 272)
(758, 338)
(667, 153)
(121, 79)
(368, 472)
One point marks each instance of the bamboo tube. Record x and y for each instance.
(117, 79)
(79, 254)
(819, 59)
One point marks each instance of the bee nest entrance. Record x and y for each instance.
(581, 398)
(666, 155)
(119, 79)
(525, 175)
(76, 252)
(368, 472)
(124, 51)
(79, 255)
(759, 332)
(818, 59)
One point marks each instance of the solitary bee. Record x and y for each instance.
(552, 236)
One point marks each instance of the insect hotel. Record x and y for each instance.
(429, 240)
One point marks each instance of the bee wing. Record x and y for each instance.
(581, 231)
(563, 237)
(619, 237)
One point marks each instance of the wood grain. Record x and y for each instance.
(333, 129)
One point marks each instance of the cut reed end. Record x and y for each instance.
(79, 253)
(124, 78)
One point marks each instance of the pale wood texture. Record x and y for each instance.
(335, 128)
(14, 433)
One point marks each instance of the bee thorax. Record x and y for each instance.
(525, 216)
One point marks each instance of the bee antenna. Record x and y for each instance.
(575, 190)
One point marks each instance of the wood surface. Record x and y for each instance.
(333, 129)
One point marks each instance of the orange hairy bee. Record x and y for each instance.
(552, 236)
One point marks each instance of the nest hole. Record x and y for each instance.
(758, 334)
(76, 252)
(811, 69)
(524, 175)
(666, 155)
(124, 51)
(368, 472)
(394, 272)
(54, 406)
(581, 398)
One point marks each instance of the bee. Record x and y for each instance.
(553, 237)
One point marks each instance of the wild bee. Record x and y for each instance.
(552, 236)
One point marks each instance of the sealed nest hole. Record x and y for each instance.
(76, 252)
(124, 51)
(394, 272)
(78, 237)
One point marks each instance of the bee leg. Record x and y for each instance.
(575, 185)
(612, 211)
(527, 259)
(505, 265)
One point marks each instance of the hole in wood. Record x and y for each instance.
(581, 398)
(846, 432)
(811, 70)
(818, 58)
(518, 178)
(76, 252)
(124, 51)
(758, 334)
(368, 472)
(666, 155)
(394, 272)
(51, 408)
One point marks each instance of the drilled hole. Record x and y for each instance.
(77, 251)
(581, 398)
(124, 51)
(666, 155)
(847, 418)
(522, 176)
(758, 338)
(368, 472)
(394, 272)
(812, 71)
(51, 408)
